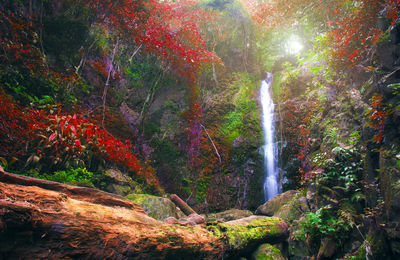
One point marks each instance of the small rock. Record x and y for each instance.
(120, 183)
(298, 249)
(193, 219)
(130, 115)
(117, 176)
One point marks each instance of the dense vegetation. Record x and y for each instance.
(167, 93)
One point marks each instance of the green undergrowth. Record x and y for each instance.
(72, 176)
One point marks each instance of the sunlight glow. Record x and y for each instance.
(294, 45)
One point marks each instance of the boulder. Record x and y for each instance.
(156, 207)
(272, 206)
(293, 209)
(267, 252)
(228, 215)
(243, 236)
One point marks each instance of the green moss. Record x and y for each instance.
(267, 252)
(238, 236)
(291, 210)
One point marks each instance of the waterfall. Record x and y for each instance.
(271, 181)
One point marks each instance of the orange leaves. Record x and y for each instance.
(100, 67)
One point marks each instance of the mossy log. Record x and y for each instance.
(243, 236)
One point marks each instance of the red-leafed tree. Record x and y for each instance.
(165, 29)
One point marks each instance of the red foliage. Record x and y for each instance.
(355, 31)
(63, 135)
(20, 48)
(19, 42)
(377, 115)
(165, 29)
(15, 126)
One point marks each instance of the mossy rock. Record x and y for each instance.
(156, 207)
(118, 189)
(244, 235)
(272, 206)
(120, 183)
(267, 252)
(293, 209)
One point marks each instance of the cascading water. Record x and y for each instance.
(271, 181)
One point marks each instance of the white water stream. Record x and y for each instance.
(271, 181)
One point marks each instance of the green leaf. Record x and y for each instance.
(394, 86)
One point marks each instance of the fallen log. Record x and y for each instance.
(87, 194)
(37, 223)
(182, 205)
